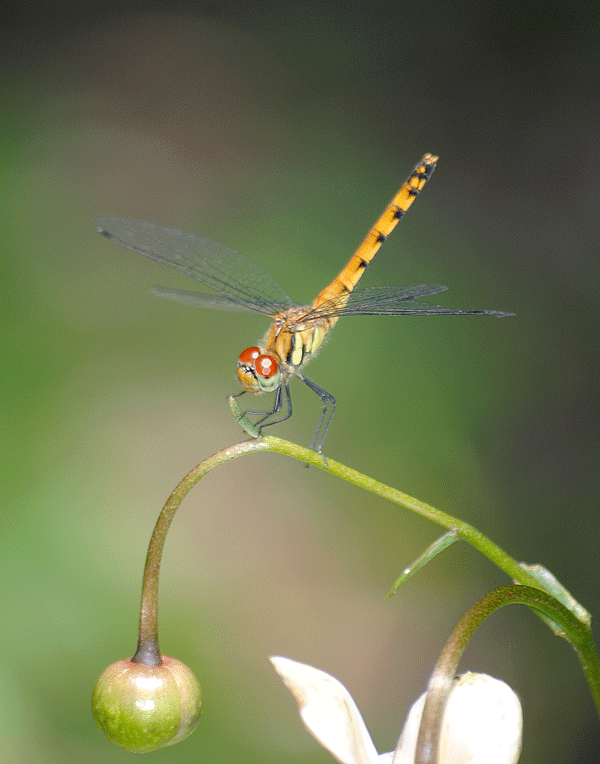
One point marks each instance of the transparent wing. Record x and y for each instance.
(198, 299)
(394, 301)
(222, 269)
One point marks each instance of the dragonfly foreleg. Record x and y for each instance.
(277, 405)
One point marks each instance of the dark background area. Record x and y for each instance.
(282, 131)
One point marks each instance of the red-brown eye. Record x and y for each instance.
(248, 356)
(266, 366)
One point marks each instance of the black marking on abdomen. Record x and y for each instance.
(398, 213)
(380, 237)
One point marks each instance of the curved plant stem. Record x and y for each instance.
(440, 683)
(463, 530)
(148, 650)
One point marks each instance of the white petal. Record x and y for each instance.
(328, 711)
(483, 724)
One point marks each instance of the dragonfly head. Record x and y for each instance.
(258, 372)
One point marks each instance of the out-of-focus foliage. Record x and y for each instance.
(282, 132)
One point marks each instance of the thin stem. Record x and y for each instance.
(148, 651)
(440, 683)
(465, 531)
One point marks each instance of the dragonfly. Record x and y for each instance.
(297, 332)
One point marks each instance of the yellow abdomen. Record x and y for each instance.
(340, 289)
(293, 336)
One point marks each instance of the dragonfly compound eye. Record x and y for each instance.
(268, 375)
(266, 366)
(247, 371)
(248, 357)
(258, 373)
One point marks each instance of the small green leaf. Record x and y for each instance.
(552, 585)
(432, 551)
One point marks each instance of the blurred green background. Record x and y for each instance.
(282, 130)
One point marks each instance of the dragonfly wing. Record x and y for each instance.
(198, 299)
(396, 301)
(220, 268)
(374, 301)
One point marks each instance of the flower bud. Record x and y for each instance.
(142, 708)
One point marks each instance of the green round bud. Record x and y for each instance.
(143, 708)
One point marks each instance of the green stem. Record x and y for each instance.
(148, 651)
(440, 683)
(465, 531)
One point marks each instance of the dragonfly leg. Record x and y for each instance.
(327, 412)
(277, 405)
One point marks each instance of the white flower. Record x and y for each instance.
(482, 722)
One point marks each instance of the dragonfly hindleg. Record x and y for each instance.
(327, 412)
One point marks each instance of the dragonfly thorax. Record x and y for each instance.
(258, 372)
(294, 336)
